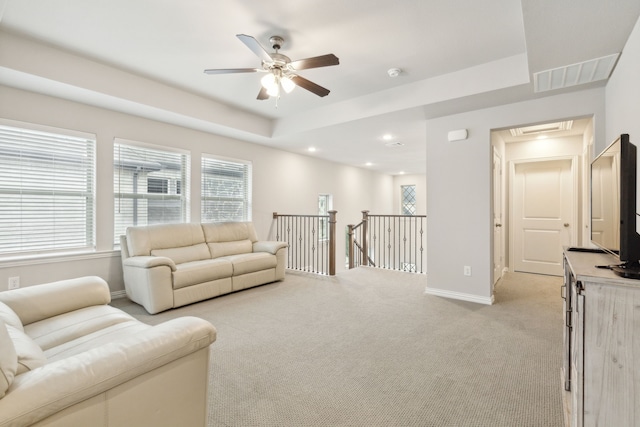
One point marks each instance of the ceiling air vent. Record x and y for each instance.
(575, 74)
(538, 129)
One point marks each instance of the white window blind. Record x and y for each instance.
(150, 185)
(226, 190)
(47, 191)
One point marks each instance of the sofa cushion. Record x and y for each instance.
(95, 339)
(184, 254)
(8, 360)
(67, 327)
(229, 232)
(141, 240)
(230, 248)
(193, 273)
(252, 262)
(30, 355)
(9, 316)
(35, 303)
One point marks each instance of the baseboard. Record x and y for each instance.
(119, 294)
(459, 296)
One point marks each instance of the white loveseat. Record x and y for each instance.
(171, 265)
(67, 358)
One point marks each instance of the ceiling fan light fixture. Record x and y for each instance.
(281, 71)
(287, 84)
(274, 90)
(268, 81)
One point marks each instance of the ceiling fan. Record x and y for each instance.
(282, 72)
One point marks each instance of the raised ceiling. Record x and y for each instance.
(455, 55)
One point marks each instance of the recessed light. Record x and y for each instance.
(387, 137)
(368, 164)
(401, 173)
(311, 149)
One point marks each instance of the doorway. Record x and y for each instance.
(534, 159)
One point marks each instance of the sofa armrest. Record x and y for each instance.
(269, 246)
(42, 392)
(148, 280)
(149, 262)
(39, 302)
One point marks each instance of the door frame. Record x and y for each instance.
(574, 202)
(497, 154)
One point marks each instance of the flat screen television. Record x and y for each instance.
(613, 205)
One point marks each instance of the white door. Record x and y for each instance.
(543, 207)
(498, 247)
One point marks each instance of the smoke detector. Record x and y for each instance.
(394, 72)
(393, 144)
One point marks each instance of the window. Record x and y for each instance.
(148, 185)
(226, 190)
(325, 204)
(47, 190)
(408, 200)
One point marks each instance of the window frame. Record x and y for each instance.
(323, 232)
(81, 199)
(182, 176)
(247, 182)
(403, 200)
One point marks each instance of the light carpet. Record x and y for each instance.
(368, 348)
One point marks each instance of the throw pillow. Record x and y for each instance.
(30, 355)
(8, 360)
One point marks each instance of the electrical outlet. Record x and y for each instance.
(14, 282)
(467, 270)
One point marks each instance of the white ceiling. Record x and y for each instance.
(456, 55)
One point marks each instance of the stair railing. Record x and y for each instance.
(395, 242)
(312, 241)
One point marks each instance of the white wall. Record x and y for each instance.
(623, 94)
(282, 182)
(623, 99)
(459, 187)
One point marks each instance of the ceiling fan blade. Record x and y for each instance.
(262, 95)
(232, 70)
(255, 47)
(309, 85)
(315, 62)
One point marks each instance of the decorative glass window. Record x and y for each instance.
(47, 190)
(148, 185)
(325, 204)
(226, 189)
(408, 200)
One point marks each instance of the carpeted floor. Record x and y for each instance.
(369, 348)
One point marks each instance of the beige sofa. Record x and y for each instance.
(67, 358)
(171, 265)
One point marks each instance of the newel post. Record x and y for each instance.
(332, 243)
(365, 238)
